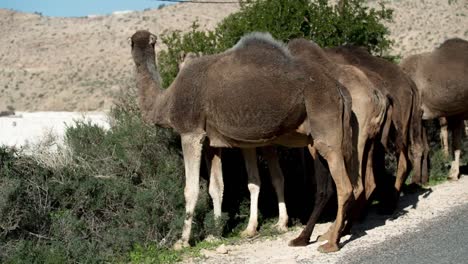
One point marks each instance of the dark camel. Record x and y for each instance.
(405, 122)
(255, 94)
(369, 106)
(442, 80)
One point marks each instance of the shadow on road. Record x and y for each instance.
(374, 218)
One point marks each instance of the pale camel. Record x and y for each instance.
(254, 183)
(405, 122)
(255, 94)
(444, 135)
(369, 107)
(442, 80)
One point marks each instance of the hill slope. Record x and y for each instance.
(78, 64)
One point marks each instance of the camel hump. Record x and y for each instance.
(452, 50)
(261, 39)
(310, 52)
(454, 43)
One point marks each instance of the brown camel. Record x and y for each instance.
(442, 80)
(369, 106)
(250, 157)
(255, 94)
(405, 122)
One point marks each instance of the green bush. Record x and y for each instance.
(351, 23)
(119, 188)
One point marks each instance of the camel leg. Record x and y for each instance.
(250, 157)
(402, 171)
(444, 136)
(360, 204)
(359, 187)
(344, 190)
(425, 161)
(216, 187)
(192, 147)
(322, 194)
(457, 133)
(277, 179)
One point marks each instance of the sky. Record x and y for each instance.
(74, 8)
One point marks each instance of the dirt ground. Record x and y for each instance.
(413, 210)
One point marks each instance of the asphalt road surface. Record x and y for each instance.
(443, 240)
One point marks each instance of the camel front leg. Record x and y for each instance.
(192, 146)
(457, 127)
(277, 179)
(250, 157)
(216, 186)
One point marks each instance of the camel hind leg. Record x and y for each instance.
(277, 179)
(323, 193)
(216, 186)
(344, 189)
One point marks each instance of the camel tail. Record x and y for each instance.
(416, 144)
(378, 120)
(347, 145)
(387, 123)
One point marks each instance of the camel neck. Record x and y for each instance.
(150, 94)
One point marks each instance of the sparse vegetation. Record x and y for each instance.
(116, 195)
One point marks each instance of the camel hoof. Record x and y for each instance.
(298, 242)
(454, 175)
(179, 245)
(248, 233)
(281, 228)
(328, 248)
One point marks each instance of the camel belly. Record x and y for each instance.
(295, 138)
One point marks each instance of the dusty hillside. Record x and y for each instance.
(79, 63)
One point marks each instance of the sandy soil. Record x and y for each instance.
(413, 210)
(27, 128)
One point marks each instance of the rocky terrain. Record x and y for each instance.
(79, 64)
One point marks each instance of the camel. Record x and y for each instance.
(441, 77)
(444, 136)
(252, 95)
(369, 106)
(405, 122)
(254, 183)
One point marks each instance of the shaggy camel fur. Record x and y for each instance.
(254, 183)
(405, 112)
(255, 94)
(442, 80)
(369, 107)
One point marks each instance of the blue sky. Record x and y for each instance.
(67, 8)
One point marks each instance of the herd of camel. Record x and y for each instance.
(342, 103)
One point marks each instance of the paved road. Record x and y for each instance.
(443, 240)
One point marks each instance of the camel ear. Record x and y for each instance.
(152, 39)
(129, 40)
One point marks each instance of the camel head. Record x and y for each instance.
(142, 43)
